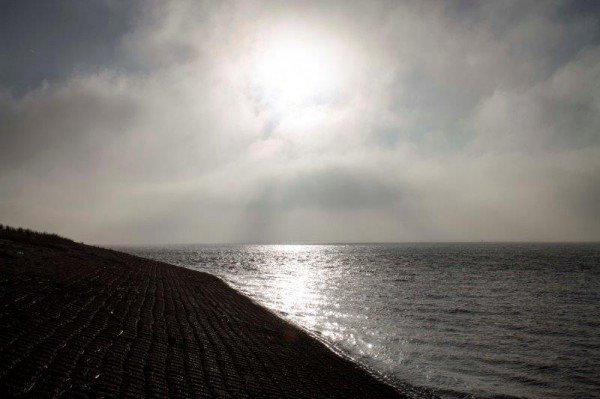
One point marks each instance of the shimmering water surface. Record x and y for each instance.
(463, 319)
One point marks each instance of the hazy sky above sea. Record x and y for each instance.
(130, 122)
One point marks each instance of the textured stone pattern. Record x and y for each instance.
(79, 321)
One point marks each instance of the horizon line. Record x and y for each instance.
(308, 243)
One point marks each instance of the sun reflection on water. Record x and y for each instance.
(296, 287)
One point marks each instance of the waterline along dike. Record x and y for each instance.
(81, 321)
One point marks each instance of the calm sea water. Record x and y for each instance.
(463, 319)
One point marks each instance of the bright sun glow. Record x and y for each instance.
(292, 72)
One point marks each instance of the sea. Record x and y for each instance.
(464, 320)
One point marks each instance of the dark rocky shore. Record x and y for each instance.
(81, 321)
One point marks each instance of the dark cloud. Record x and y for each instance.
(51, 40)
(329, 190)
(67, 128)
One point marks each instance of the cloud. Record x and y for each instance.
(454, 122)
(49, 42)
(561, 111)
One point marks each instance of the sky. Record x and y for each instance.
(149, 122)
